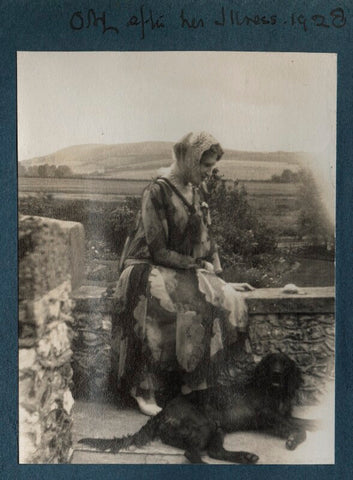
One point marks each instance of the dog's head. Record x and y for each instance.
(279, 374)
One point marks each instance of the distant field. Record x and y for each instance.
(115, 188)
(230, 168)
(254, 170)
(268, 188)
(79, 187)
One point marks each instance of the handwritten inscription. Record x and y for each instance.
(336, 19)
(145, 20)
(78, 21)
(231, 17)
(191, 22)
(142, 20)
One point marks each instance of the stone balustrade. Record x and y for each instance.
(300, 325)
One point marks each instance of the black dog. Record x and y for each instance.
(197, 422)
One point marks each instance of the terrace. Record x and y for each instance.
(64, 358)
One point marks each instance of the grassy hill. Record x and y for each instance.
(142, 160)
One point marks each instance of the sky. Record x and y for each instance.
(254, 101)
(249, 101)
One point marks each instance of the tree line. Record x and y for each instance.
(287, 176)
(45, 171)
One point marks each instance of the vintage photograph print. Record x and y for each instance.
(176, 245)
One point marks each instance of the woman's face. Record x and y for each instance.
(203, 169)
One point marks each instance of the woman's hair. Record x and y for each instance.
(215, 149)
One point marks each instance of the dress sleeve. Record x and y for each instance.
(156, 231)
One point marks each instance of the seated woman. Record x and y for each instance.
(175, 312)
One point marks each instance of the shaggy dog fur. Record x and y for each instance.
(197, 422)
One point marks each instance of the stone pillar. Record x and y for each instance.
(45, 335)
(92, 343)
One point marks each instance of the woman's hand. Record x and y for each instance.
(205, 265)
(208, 266)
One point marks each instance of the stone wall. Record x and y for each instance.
(46, 275)
(301, 325)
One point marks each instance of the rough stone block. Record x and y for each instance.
(50, 251)
(51, 256)
(76, 237)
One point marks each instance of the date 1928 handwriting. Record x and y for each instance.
(145, 19)
(336, 19)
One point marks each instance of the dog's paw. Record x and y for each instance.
(247, 457)
(291, 443)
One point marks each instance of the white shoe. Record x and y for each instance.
(147, 407)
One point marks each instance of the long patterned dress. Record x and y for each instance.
(173, 318)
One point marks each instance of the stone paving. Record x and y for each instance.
(104, 420)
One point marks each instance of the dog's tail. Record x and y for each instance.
(145, 435)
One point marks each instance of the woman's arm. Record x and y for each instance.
(156, 231)
(216, 263)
